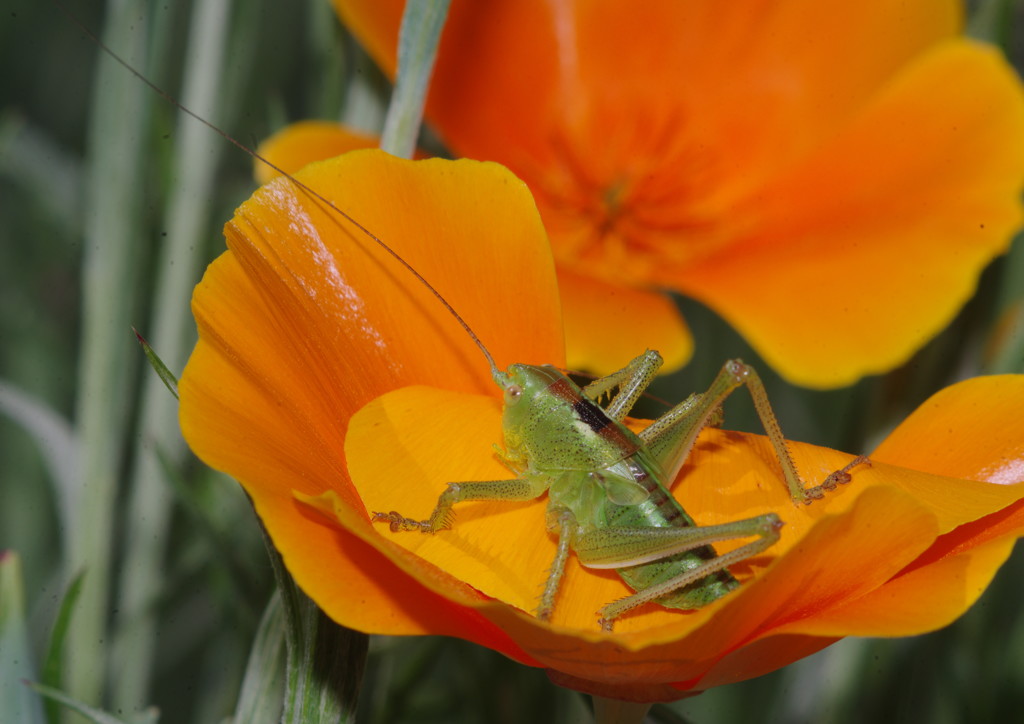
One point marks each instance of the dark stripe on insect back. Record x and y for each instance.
(590, 414)
(561, 389)
(658, 496)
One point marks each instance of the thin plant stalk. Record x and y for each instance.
(151, 500)
(422, 24)
(110, 279)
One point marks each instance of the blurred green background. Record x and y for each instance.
(111, 206)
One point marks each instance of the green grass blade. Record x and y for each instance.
(111, 269)
(52, 673)
(17, 702)
(325, 661)
(178, 267)
(417, 49)
(97, 716)
(55, 439)
(165, 375)
(262, 693)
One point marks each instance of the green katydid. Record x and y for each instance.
(607, 487)
(608, 499)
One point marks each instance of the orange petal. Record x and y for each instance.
(707, 64)
(725, 53)
(606, 326)
(750, 212)
(833, 554)
(301, 143)
(484, 72)
(502, 550)
(304, 320)
(973, 429)
(904, 230)
(387, 593)
(922, 600)
(400, 463)
(376, 26)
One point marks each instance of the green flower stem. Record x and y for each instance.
(417, 49)
(110, 253)
(151, 497)
(324, 660)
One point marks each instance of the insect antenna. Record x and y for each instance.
(495, 372)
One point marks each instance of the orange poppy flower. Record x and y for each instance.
(331, 383)
(825, 176)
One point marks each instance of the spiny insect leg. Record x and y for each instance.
(766, 527)
(525, 488)
(671, 437)
(564, 523)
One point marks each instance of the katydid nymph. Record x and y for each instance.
(608, 500)
(607, 487)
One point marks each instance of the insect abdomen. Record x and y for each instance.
(661, 510)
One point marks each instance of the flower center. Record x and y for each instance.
(631, 207)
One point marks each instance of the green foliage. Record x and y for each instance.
(16, 701)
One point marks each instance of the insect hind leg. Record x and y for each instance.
(613, 550)
(671, 437)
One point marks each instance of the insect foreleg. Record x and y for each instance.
(622, 547)
(524, 488)
(631, 382)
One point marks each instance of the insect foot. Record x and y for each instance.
(440, 519)
(398, 522)
(834, 480)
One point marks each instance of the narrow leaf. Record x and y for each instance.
(417, 49)
(168, 378)
(17, 702)
(52, 666)
(97, 716)
(262, 693)
(57, 445)
(325, 661)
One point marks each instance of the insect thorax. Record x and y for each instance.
(553, 427)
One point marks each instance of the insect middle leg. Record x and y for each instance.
(524, 488)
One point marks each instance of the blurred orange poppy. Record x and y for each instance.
(828, 177)
(330, 383)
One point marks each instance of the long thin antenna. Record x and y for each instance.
(309, 190)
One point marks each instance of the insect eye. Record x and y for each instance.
(513, 393)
